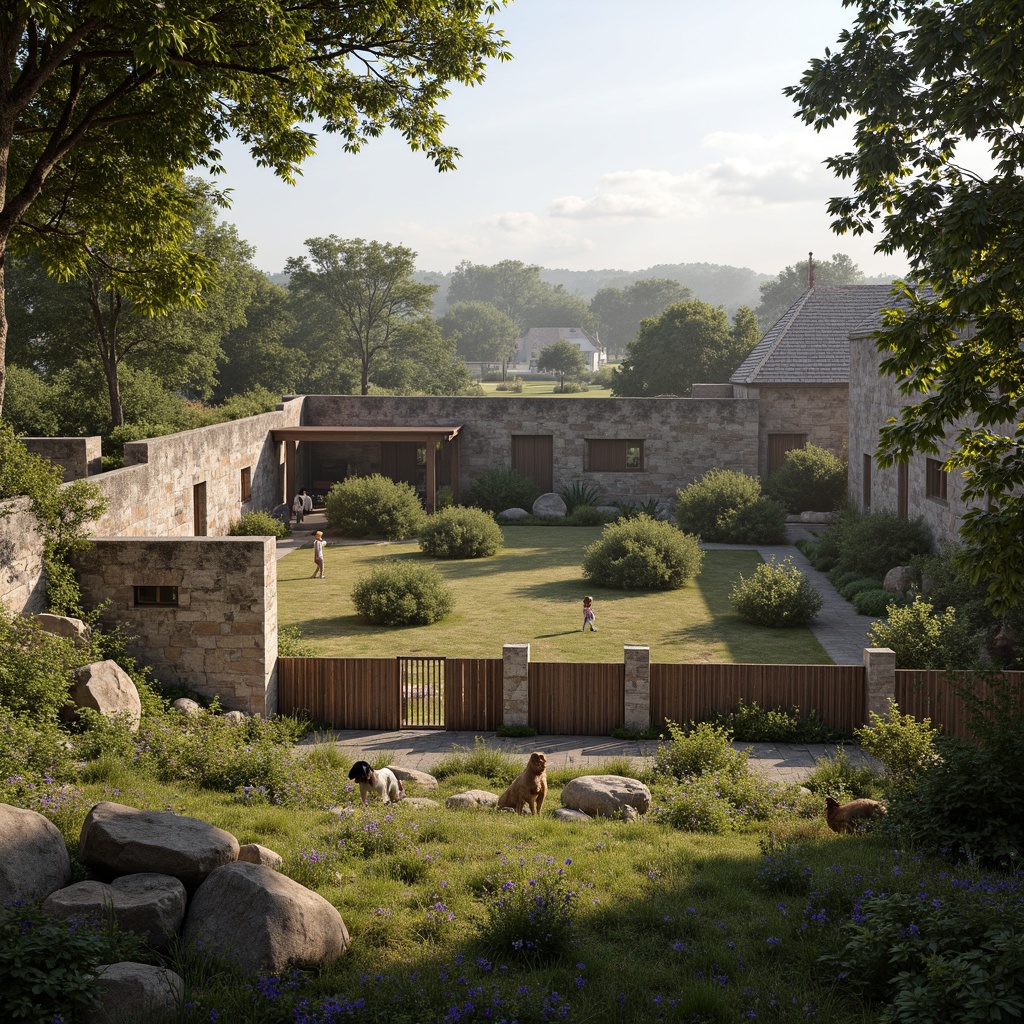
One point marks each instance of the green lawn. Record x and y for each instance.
(532, 592)
(543, 389)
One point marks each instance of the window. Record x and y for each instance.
(246, 483)
(614, 456)
(866, 481)
(165, 596)
(935, 480)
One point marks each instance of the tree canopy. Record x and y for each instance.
(563, 358)
(96, 95)
(618, 311)
(482, 333)
(935, 90)
(778, 294)
(691, 342)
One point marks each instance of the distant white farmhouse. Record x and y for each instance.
(536, 339)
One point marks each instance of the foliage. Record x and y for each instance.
(874, 602)
(923, 638)
(835, 775)
(810, 479)
(500, 489)
(750, 723)
(602, 377)
(870, 543)
(777, 595)
(619, 311)
(571, 387)
(32, 751)
(563, 358)
(34, 668)
(292, 644)
(727, 506)
(779, 293)
(259, 524)
(642, 554)
(487, 762)
(782, 870)
(579, 494)
(586, 515)
(460, 532)
(858, 584)
(651, 507)
(482, 333)
(904, 746)
(514, 385)
(374, 506)
(944, 579)
(691, 342)
(402, 594)
(698, 749)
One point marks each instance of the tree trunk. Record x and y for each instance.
(3, 329)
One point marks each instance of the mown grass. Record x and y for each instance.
(542, 389)
(532, 592)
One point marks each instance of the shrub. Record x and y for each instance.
(366, 506)
(837, 776)
(923, 639)
(487, 762)
(699, 749)
(777, 595)
(650, 507)
(586, 515)
(728, 506)
(580, 494)
(750, 723)
(810, 479)
(259, 524)
(874, 602)
(603, 377)
(514, 385)
(642, 554)
(503, 488)
(904, 746)
(855, 586)
(34, 668)
(460, 532)
(873, 543)
(402, 594)
(292, 644)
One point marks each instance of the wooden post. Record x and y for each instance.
(431, 483)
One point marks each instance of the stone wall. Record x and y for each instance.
(874, 400)
(221, 637)
(78, 456)
(22, 588)
(682, 438)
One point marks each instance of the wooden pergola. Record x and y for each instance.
(427, 436)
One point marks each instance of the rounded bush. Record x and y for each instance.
(503, 488)
(857, 586)
(374, 506)
(586, 515)
(777, 595)
(459, 532)
(727, 506)
(259, 524)
(402, 594)
(642, 554)
(873, 601)
(875, 542)
(922, 638)
(810, 479)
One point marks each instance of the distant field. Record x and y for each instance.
(542, 388)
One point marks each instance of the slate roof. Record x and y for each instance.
(810, 342)
(544, 336)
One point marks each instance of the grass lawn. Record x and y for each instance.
(532, 592)
(543, 389)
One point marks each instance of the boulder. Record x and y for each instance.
(150, 905)
(421, 779)
(260, 919)
(607, 796)
(253, 853)
(899, 581)
(513, 513)
(120, 840)
(128, 991)
(234, 717)
(64, 625)
(188, 707)
(549, 504)
(569, 814)
(471, 798)
(34, 858)
(105, 687)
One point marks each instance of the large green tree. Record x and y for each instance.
(618, 311)
(691, 342)
(935, 90)
(97, 96)
(563, 358)
(778, 294)
(481, 332)
(363, 297)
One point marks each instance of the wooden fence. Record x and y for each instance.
(582, 699)
(932, 695)
(344, 693)
(686, 693)
(473, 694)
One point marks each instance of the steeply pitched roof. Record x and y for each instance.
(810, 342)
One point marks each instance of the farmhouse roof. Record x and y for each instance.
(810, 342)
(544, 336)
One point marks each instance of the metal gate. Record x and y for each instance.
(422, 681)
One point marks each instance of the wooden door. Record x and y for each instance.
(533, 456)
(779, 445)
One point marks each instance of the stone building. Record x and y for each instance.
(536, 339)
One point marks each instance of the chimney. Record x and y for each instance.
(810, 270)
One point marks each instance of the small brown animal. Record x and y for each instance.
(528, 788)
(849, 816)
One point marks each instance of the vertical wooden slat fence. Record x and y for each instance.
(422, 682)
(473, 694)
(586, 699)
(342, 693)
(930, 695)
(687, 693)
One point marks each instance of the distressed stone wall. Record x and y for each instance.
(683, 438)
(78, 456)
(22, 588)
(221, 639)
(874, 400)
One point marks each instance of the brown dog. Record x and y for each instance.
(850, 816)
(529, 787)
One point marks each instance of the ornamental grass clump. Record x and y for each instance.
(778, 595)
(402, 594)
(459, 532)
(374, 506)
(642, 554)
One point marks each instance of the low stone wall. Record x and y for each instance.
(78, 456)
(221, 636)
(22, 588)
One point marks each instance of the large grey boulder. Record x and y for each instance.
(66, 626)
(899, 581)
(260, 919)
(471, 798)
(134, 992)
(105, 687)
(550, 504)
(607, 795)
(187, 707)
(148, 904)
(418, 778)
(513, 513)
(34, 858)
(120, 840)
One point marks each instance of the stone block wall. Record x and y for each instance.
(683, 438)
(78, 456)
(221, 636)
(22, 588)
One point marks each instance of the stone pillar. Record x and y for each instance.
(515, 684)
(638, 687)
(879, 680)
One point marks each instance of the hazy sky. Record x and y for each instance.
(622, 135)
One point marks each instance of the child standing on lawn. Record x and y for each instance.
(318, 555)
(588, 614)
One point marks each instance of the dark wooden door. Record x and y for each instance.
(781, 444)
(533, 456)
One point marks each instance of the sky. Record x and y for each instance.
(621, 136)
